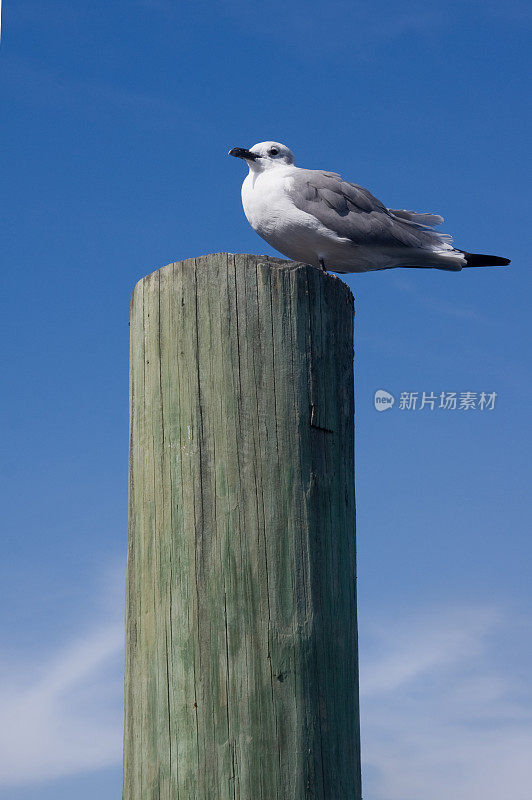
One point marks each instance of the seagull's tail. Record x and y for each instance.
(479, 260)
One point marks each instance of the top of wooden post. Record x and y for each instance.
(245, 259)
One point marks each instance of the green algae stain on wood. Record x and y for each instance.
(241, 638)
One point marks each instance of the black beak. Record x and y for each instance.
(241, 152)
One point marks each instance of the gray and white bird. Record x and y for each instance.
(318, 218)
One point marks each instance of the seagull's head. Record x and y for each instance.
(264, 155)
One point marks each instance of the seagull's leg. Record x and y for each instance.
(321, 262)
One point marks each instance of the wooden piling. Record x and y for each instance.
(241, 639)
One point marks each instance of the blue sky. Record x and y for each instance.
(117, 118)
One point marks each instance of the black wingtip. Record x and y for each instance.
(479, 260)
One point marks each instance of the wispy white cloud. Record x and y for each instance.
(428, 645)
(62, 711)
(445, 707)
(443, 715)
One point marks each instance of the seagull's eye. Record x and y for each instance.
(273, 151)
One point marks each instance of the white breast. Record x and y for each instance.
(272, 214)
(265, 200)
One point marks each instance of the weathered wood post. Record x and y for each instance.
(241, 653)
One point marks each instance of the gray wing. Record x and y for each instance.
(353, 213)
(423, 218)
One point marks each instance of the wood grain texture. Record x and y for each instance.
(241, 636)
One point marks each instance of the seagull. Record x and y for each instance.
(320, 219)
